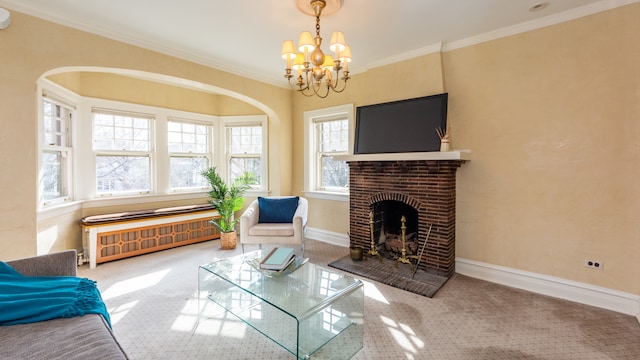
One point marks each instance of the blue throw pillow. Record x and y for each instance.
(279, 210)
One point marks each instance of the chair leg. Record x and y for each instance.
(242, 248)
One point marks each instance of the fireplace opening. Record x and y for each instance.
(387, 228)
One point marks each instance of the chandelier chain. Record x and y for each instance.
(318, 26)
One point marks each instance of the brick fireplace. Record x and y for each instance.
(422, 188)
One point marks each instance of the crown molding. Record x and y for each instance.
(500, 33)
(135, 41)
(538, 23)
(430, 49)
(568, 15)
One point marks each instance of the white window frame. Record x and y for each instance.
(312, 188)
(239, 121)
(149, 153)
(208, 154)
(64, 98)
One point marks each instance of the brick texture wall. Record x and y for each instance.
(429, 186)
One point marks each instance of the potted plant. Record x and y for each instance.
(227, 199)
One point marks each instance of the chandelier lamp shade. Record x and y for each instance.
(317, 73)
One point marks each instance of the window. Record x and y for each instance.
(122, 145)
(56, 150)
(328, 134)
(129, 152)
(245, 145)
(189, 154)
(333, 139)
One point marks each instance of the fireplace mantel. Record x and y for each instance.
(432, 155)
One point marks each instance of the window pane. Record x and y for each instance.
(52, 175)
(335, 174)
(245, 139)
(122, 173)
(114, 132)
(188, 138)
(239, 166)
(56, 120)
(334, 136)
(185, 172)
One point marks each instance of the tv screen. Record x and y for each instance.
(401, 126)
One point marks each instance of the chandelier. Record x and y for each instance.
(317, 73)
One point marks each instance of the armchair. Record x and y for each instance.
(273, 229)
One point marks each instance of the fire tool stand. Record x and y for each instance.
(372, 251)
(404, 259)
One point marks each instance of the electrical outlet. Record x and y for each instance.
(593, 264)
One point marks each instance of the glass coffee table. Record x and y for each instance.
(309, 310)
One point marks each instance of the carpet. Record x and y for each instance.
(385, 272)
(468, 319)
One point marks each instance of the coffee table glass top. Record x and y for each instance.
(311, 310)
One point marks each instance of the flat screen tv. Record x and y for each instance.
(401, 126)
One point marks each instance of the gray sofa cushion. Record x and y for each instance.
(57, 264)
(78, 338)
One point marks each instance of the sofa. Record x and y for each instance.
(83, 337)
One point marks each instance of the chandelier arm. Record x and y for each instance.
(344, 86)
(303, 85)
(335, 84)
(316, 87)
(307, 79)
(311, 91)
(305, 94)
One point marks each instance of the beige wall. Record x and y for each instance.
(550, 115)
(32, 47)
(115, 87)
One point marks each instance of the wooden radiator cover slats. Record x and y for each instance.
(118, 240)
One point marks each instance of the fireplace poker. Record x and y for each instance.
(422, 251)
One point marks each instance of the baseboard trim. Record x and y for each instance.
(328, 237)
(605, 298)
(601, 297)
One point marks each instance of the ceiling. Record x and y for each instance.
(245, 36)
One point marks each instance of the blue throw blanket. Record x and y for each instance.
(27, 299)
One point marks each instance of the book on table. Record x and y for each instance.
(278, 259)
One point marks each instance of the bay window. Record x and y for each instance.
(124, 152)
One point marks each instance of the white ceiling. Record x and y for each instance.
(245, 36)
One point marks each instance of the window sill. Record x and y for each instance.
(327, 195)
(55, 210)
